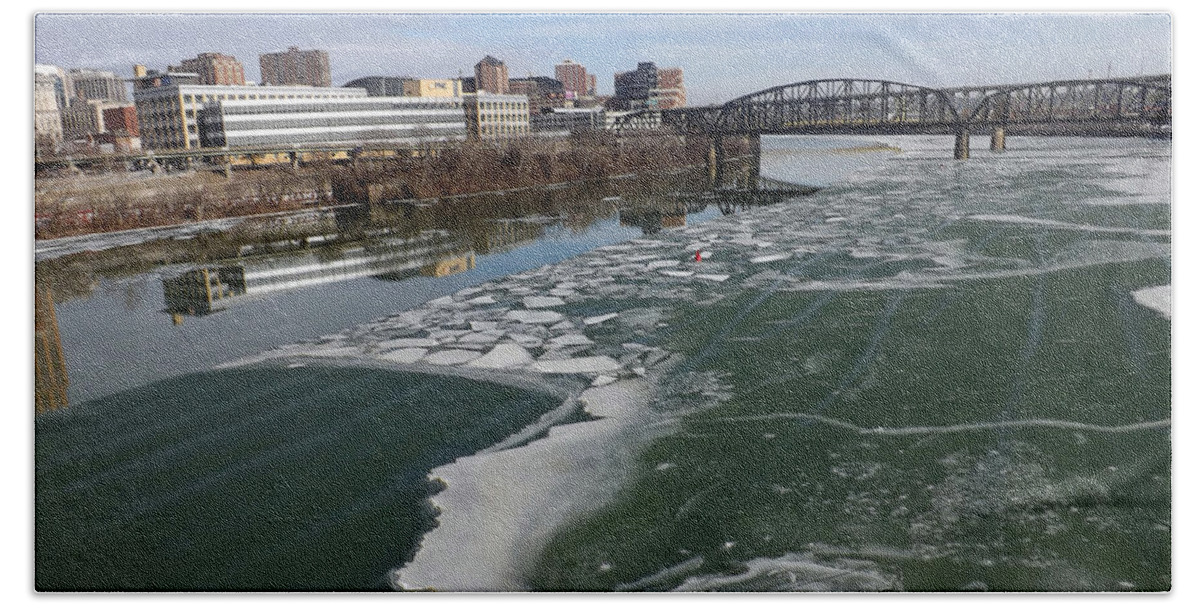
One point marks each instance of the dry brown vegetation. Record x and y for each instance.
(476, 167)
(69, 205)
(72, 205)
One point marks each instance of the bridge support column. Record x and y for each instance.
(716, 162)
(998, 139)
(294, 161)
(754, 145)
(962, 145)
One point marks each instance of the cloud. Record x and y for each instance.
(722, 55)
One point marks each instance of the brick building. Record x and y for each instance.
(214, 69)
(649, 87)
(295, 67)
(491, 76)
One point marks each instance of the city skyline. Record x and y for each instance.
(722, 55)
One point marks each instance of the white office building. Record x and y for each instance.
(168, 114)
(493, 116)
(331, 121)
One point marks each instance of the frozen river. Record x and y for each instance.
(932, 375)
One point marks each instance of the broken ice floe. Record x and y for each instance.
(534, 317)
(570, 340)
(503, 356)
(775, 257)
(577, 365)
(596, 320)
(404, 355)
(452, 356)
(542, 301)
(408, 343)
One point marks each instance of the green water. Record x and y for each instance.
(1007, 507)
(255, 479)
(1000, 433)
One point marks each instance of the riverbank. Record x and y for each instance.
(78, 205)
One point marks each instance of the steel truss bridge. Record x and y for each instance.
(1109, 106)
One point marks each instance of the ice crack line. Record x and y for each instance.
(882, 326)
(956, 428)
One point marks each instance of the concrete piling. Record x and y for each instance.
(962, 145)
(754, 145)
(998, 139)
(716, 162)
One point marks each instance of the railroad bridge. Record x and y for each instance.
(1109, 106)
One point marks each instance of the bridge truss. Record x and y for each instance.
(1076, 101)
(839, 105)
(880, 106)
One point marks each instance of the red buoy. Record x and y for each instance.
(697, 255)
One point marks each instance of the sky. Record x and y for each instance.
(723, 55)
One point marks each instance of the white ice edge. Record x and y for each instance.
(923, 281)
(1155, 298)
(1020, 219)
(499, 508)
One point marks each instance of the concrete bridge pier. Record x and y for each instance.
(294, 161)
(962, 145)
(716, 162)
(998, 139)
(754, 165)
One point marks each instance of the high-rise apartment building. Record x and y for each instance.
(295, 67)
(214, 69)
(670, 92)
(491, 76)
(648, 87)
(575, 79)
(96, 85)
(633, 88)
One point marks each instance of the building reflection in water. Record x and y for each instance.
(211, 288)
(50, 368)
(652, 221)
